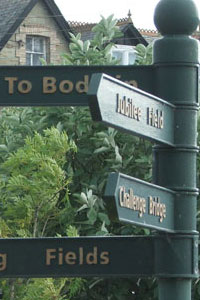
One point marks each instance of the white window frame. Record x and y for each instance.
(32, 53)
(124, 50)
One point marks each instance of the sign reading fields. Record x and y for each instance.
(118, 256)
(126, 108)
(62, 85)
(83, 256)
(137, 202)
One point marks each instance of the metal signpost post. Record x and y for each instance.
(165, 113)
(176, 58)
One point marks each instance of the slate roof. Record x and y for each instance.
(13, 12)
(131, 36)
(84, 28)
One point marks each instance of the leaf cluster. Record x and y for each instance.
(143, 54)
(32, 180)
(96, 51)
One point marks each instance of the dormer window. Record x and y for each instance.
(36, 48)
(125, 55)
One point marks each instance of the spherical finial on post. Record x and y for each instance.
(176, 17)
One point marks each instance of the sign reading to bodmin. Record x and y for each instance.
(137, 202)
(62, 85)
(124, 107)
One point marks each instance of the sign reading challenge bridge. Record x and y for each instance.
(124, 107)
(140, 203)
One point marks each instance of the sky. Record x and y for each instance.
(91, 10)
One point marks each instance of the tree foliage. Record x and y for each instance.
(95, 51)
(144, 54)
(32, 181)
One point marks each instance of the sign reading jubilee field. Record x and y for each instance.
(126, 108)
(140, 203)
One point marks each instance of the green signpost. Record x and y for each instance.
(140, 203)
(126, 108)
(176, 62)
(168, 205)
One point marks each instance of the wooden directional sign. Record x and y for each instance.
(97, 256)
(137, 202)
(124, 107)
(62, 85)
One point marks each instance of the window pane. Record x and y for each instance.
(117, 55)
(35, 49)
(131, 58)
(38, 45)
(28, 59)
(36, 59)
(29, 44)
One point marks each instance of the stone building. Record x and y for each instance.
(30, 30)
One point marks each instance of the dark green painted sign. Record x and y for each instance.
(140, 203)
(127, 108)
(87, 256)
(62, 85)
(96, 256)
